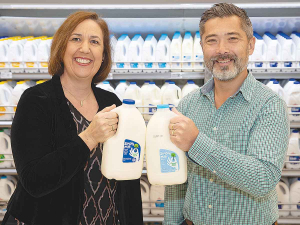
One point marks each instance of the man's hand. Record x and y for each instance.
(183, 131)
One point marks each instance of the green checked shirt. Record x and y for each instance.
(236, 160)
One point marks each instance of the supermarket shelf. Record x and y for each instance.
(290, 173)
(150, 218)
(295, 125)
(5, 171)
(288, 221)
(5, 123)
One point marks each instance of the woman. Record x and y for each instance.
(57, 137)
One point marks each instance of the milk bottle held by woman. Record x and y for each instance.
(162, 54)
(293, 149)
(151, 98)
(166, 163)
(172, 94)
(135, 54)
(123, 154)
(148, 54)
(176, 52)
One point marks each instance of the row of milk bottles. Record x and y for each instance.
(150, 95)
(288, 191)
(123, 154)
(10, 93)
(290, 92)
(280, 52)
(149, 55)
(25, 54)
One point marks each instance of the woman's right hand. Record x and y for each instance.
(102, 127)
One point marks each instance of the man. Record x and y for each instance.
(234, 131)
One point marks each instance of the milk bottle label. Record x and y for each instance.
(273, 64)
(288, 64)
(120, 65)
(2, 109)
(295, 110)
(148, 65)
(258, 64)
(134, 65)
(169, 161)
(152, 110)
(294, 158)
(159, 205)
(162, 65)
(2, 157)
(298, 206)
(131, 151)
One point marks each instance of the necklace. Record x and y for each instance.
(81, 101)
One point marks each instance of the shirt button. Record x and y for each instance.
(211, 180)
(214, 171)
(210, 206)
(215, 128)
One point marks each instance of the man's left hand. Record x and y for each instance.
(183, 131)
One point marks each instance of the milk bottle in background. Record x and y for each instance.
(4, 46)
(148, 54)
(5, 148)
(145, 192)
(157, 194)
(296, 38)
(5, 96)
(172, 94)
(113, 43)
(293, 149)
(166, 163)
(106, 86)
(30, 55)
(293, 98)
(7, 188)
(295, 197)
(187, 52)
(176, 52)
(270, 83)
(189, 87)
(288, 53)
(135, 54)
(15, 55)
(198, 53)
(283, 194)
(43, 54)
(151, 97)
(273, 51)
(121, 54)
(121, 88)
(259, 54)
(134, 92)
(123, 154)
(278, 89)
(288, 84)
(163, 88)
(162, 55)
(17, 92)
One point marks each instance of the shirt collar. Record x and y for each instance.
(246, 89)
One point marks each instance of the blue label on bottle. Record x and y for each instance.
(199, 57)
(134, 65)
(175, 57)
(288, 64)
(187, 57)
(279, 206)
(152, 110)
(131, 151)
(273, 64)
(295, 110)
(258, 64)
(298, 206)
(159, 205)
(120, 65)
(148, 65)
(162, 65)
(169, 161)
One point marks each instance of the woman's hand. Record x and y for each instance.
(102, 127)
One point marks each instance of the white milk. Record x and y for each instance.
(172, 94)
(162, 54)
(283, 194)
(289, 84)
(189, 87)
(4, 46)
(134, 92)
(135, 54)
(288, 52)
(278, 89)
(145, 192)
(151, 97)
(5, 147)
(15, 56)
(187, 52)
(30, 56)
(6, 188)
(17, 92)
(157, 194)
(44, 54)
(198, 54)
(260, 53)
(163, 88)
(293, 149)
(273, 51)
(123, 154)
(148, 54)
(5, 96)
(143, 91)
(295, 197)
(121, 54)
(176, 52)
(296, 38)
(106, 86)
(121, 88)
(166, 163)
(113, 43)
(293, 98)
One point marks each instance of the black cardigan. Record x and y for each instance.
(50, 159)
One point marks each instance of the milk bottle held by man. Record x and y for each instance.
(172, 94)
(273, 52)
(123, 154)
(288, 52)
(5, 150)
(162, 54)
(151, 98)
(120, 89)
(135, 54)
(198, 54)
(176, 52)
(293, 149)
(187, 52)
(283, 194)
(148, 54)
(293, 98)
(259, 54)
(166, 163)
(113, 42)
(121, 54)
(5, 96)
(157, 195)
(295, 198)
(296, 38)
(189, 87)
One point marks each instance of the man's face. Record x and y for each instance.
(225, 47)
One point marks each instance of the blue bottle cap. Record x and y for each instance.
(292, 79)
(129, 101)
(296, 82)
(163, 106)
(275, 82)
(122, 81)
(171, 82)
(105, 82)
(132, 82)
(151, 82)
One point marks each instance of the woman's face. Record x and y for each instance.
(84, 52)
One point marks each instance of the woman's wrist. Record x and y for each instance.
(88, 139)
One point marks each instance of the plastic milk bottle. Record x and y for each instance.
(273, 51)
(151, 97)
(4, 46)
(198, 53)
(134, 92)
(145, 192)
(283, 194)
(121, 53)
(5, 96)
(123, 154)
(296, 38)
(189, 87)
(293, 98)
(5, 147)
(113, 42)
(121, 88)
(259, 54)
(187, 52)
(148, 54)
(288, 51)
(157, 194)
(295, 197)
(166, 164)
(163, 54)
(135, 54)
(176, 52)
(172, 94)
(293, 148)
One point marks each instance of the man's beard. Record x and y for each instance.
(225, 74)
